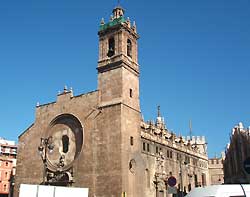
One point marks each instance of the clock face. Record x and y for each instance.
(67, 137)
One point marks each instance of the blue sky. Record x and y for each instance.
(194, 58)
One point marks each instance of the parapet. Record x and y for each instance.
(197, 139)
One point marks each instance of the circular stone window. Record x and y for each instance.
(67, 137)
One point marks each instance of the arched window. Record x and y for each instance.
(129, 48)
(111, 47)
(65, 142)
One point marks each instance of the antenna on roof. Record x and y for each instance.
(190, 128)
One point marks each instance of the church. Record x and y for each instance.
(99, 140)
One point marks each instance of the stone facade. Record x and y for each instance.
(237, 151)
(185, 158)
(216, 172)
(99, 138)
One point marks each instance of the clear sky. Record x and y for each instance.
(194, 58)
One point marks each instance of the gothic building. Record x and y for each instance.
(237, 156)
(98, 140)
(164, 155)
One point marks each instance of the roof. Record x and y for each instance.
(112, 23)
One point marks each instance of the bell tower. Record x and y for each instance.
(118, 69)
(118, 124)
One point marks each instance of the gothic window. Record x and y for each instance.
(65, 142)
(156, 149)
(144, 146)
(195, 162)
(187, 159)
(148, 148)
(178, 156)
(111, 47)
(167, 153)
(129, 48)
